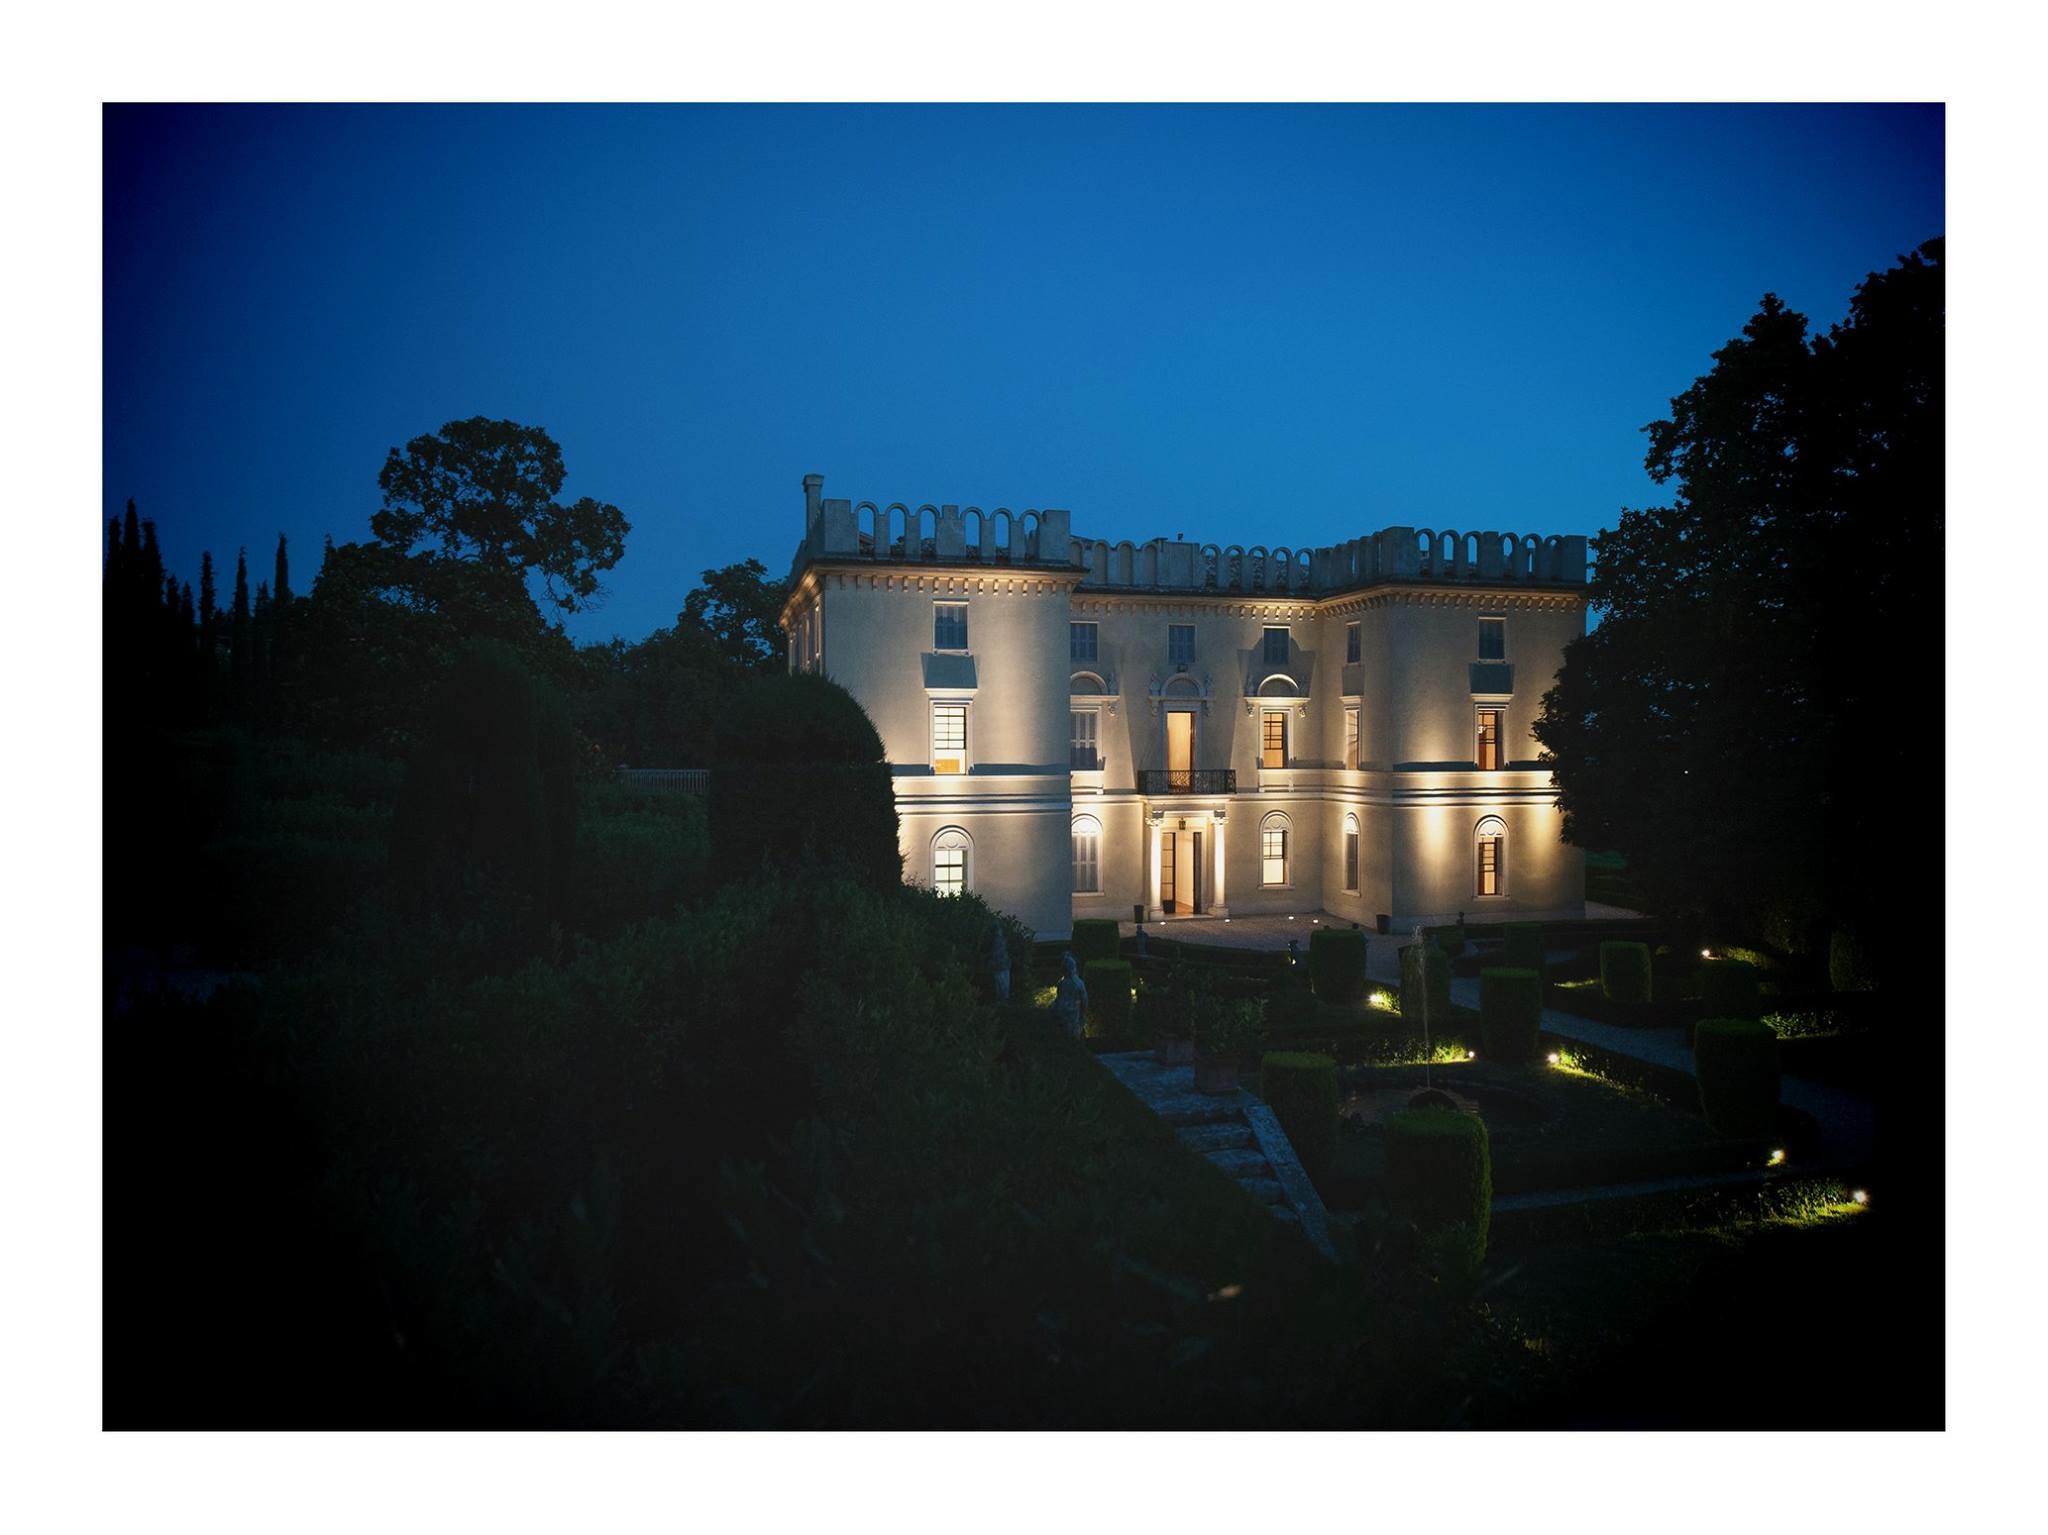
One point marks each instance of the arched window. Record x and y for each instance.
(1087, 855)
(1492, 857)
(1351, 853)
(952, 861)
(1273, 831)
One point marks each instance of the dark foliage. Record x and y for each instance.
(1510, 1014)
(1727, 685)
(1094, 938)
(1736, 1061)
(1111, 1013)
(1522, 946)
(1301, 1090)
(1422, 963)
(1336, 963)
(1441, 1174)
(1625, 971)
(1728, 989)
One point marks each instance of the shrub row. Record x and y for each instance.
(1625, 971)
(1510, 1014)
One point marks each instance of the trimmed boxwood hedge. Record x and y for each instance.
(1736, 1061)
(1728, 989)
(1336, 963)
(1440, 1170)
(1420, 962)
(1094, 938)
(1111, 1013)
(1521, 947)
(1510, 1013)
(1450, 939)
(1301, 1090)
(1625, 971)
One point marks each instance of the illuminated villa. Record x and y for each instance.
(1079, 727)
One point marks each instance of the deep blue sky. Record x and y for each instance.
(1272, 325)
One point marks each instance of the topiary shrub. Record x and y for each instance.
(1736, 1061)
(1848, 965)
(1432, 1098)
(1521, 946)
(800, 780)
(1290, 1008)
(1112, 1015)
(1336, 963)
(1440, 1171)
(1510, 1013)
(1450, 939)
(1094, 938)
(1728, 989)
(1625, 971)
(1301, 1090)
(1417, 963)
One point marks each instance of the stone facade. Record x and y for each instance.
(1078, 728)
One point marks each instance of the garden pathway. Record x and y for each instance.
(1235, 1133)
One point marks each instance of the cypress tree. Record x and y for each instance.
(259, 651)
(238, 638)
(209, 624)
(282, 586)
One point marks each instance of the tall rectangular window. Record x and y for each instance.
(1351, 738)
(1081, 642)
(1352, 648)
(949, 870)
(1493, 639)
(1087, 855)
(1276, 647)
(1273, 741)
(1488, 753)
(1489, 865)
(1273, 855)
(1082, 754)
(949, 738)
(1351, 860)
(1180, 643)
(949, 626)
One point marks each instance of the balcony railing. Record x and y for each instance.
(1187, 780)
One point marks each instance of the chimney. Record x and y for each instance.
(814, 488)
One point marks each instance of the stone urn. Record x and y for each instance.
(1172, 1050)
(1216, 1074)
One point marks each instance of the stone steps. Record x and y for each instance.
(1240, 1162)
(1223, 1135)
(1266, 1191)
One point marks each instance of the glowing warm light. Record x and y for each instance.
(1471, 1055)
(1861, 1196)
(1553, 1057)
(1290, 916)
(1777, 1158)
(1382, 1000)
(1228, 1292)
(1706, 953)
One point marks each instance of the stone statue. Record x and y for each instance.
(1070, 999)
(995, 953)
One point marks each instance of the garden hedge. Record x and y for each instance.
(1521, 946)
(1336, 963)
(1848, 964)
(1420, 962)
(1450, 939)
(1291, 1007)
(1111, 1013)
(1736, 1061)
(1728, 989)
(1301, 1090)
(1625, 971)
(1510, 1013)
(1440, 1170)
(1094, 938)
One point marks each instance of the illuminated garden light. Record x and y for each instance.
(1861, 1196)
(1552, 1057)
(1777, 1158)
(1471, 1055)
(1706, 953)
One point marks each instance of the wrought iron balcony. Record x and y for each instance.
(1187, 780)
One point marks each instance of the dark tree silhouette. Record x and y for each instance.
(238, 639)
(739, 608)
(1725, 726)
(482, 493)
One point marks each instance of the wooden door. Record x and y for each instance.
(1167, 890)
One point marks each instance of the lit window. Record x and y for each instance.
(1493, 857)
(1351, 645)
(1180, 643)
(1351, 853)
(1487, 753)
(1351, 738)
(1493, 639)
(949, 626)
(1273, 743)
(1083, 754)
(1273, 850)
(949, 861)
(1276, 647)
(1087, 855)
(949, 738)
(1081, 642)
